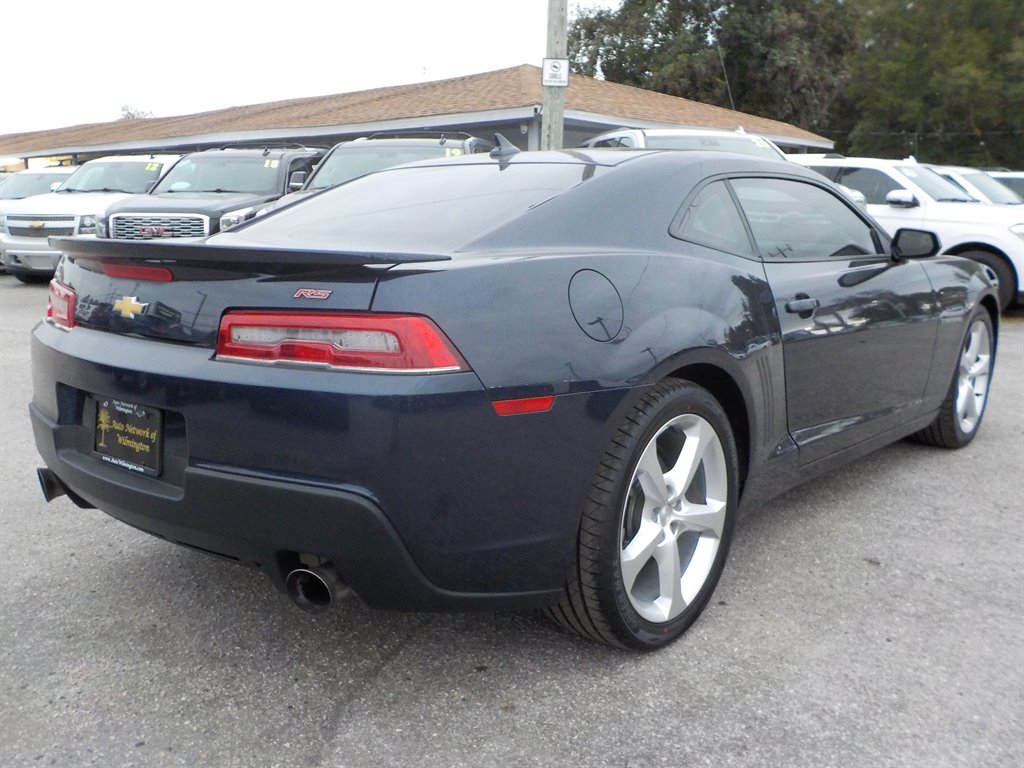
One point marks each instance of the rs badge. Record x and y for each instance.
(312, 293)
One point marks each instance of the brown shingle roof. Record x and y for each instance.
(511, 88)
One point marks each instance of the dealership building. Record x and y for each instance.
(507, 101)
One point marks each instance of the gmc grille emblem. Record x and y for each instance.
(153, 231)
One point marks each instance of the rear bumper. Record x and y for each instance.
(24, 255)
(418, 492)
(265, 522)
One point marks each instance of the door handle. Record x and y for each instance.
(802, 306)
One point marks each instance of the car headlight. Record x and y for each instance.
(1018, 230)
(3, 224)
(87, 225)
(233, 218)
(101, 227)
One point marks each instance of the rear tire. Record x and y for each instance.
(960, 414)
(657, 523)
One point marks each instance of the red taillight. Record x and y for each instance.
(60, 306)
(370, 342)
(133, 272)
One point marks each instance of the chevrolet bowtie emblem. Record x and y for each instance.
(37, 224)
(129, 306)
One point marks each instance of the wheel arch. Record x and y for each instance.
(726, 390)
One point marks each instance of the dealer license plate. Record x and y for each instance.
(128, 435)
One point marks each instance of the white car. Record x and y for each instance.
(906, 194)
(978, 184)
(1012, 179)
(72, 209)
(34, 181)
(688, 138)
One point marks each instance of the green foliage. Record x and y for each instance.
(940, 79)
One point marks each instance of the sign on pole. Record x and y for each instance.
(556, 73)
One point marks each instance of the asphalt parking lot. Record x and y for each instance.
(874, 617)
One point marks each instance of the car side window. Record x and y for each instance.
(874, 184)
(711, 219)
(796, 221)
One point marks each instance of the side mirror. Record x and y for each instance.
(914, 244)
(296, 180)
(901, 198)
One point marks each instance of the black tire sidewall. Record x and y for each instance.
(672, 399)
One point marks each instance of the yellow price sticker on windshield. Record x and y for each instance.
(271, 163)
(452, 151)
(152, 166)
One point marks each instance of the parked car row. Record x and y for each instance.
(206, 192)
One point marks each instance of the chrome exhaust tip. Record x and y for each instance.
(314, 589)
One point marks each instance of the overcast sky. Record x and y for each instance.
(67, 62)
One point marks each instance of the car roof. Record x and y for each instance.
(875, 162)
(49, 169)
(134, 159)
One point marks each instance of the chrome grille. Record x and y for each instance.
(41, 232)
(131, 226)
(43, 225)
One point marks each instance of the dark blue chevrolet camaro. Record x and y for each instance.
(548, 380)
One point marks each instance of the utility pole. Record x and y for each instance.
(556, 68)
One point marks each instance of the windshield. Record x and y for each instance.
(28, 184)
(432, 209)
(220, 172)
(114, 176)
(349, 161)
(747, 145)
(934, 185)
(992, 189)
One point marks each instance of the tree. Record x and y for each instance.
(783, 59)
(128, 112)
(942, 80)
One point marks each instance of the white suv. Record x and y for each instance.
(72, 209)
(903, 193)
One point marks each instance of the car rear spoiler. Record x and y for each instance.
(271, 260)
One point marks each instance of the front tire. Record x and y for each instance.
(960, 414)
(657, 524)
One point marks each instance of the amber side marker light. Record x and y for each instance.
(360, 342)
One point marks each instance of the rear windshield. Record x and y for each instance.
(222, 173)
(349, 162)
(427, 209)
